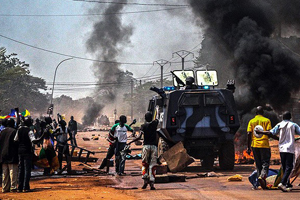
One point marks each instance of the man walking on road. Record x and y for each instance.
(286, 130)
(260, 146)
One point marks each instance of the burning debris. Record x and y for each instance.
(92, 113)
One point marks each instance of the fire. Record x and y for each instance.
(243, 157)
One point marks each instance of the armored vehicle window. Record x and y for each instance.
(190, 100)
(213, 99)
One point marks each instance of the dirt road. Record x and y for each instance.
(103, 186)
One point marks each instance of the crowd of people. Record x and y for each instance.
(18, 140)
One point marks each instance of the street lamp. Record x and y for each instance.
(51, 105)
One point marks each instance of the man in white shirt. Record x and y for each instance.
(120, 133)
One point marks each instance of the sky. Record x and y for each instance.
(45, 32)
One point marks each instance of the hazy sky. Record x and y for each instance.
(51, 25)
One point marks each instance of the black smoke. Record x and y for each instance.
(265, 71)
(106, 41)
(92, 112)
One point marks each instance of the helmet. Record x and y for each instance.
(189, 80)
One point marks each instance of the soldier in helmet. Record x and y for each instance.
(190, 83)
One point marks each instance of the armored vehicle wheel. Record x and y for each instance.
(162, 146)
(226, 156)
(208, 162)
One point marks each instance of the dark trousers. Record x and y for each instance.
(287, 162)
(25, 163)
(262, 161)
(73, 140)
(63, 150)
(110, 153)
(120, 158)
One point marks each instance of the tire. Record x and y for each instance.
(208, 162)
(226, 156)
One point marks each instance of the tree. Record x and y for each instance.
(18, 88)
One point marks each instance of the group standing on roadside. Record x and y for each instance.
(17, 141)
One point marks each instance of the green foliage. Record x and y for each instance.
(18, 88)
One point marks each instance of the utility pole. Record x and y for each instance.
(131, 83)
(182, 54)
(161, 63)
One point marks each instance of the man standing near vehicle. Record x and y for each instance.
(120, 133)
(149, 151)
(72, 126)
(260, 146)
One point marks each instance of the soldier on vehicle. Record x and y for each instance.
(190, 83)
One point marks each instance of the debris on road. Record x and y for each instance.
(177, 158)
(236, 177)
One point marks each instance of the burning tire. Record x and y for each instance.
(226, 156)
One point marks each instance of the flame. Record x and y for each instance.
(243, 157)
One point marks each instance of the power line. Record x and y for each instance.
(86, 15)
(77, 57)
(133, 3)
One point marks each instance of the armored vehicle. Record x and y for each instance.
(200, 115)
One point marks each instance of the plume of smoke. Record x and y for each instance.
(106, 40)
(92, 112)
(269, 73)
(108, 37)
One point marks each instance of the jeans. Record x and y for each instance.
(287, 162)
(73, 141)
(64, 150)
(25, 163)
(262, 161)
(120, 159)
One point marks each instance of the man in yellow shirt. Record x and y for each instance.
(260, 145)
